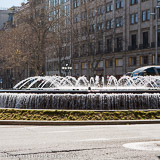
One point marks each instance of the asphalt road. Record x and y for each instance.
(125, 142)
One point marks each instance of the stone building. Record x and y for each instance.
(110, 37)
(59, 53)
(4, 15)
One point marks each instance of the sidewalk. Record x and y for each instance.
(54, 123)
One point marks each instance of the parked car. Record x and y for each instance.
(147, 71)
(128, 74)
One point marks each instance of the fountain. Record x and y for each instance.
(55, 92)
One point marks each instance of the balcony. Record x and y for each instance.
(144, 46)
(134, 47)
(118, 49)
(109, 50)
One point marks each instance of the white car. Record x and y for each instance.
(149, 75)
(147, 71)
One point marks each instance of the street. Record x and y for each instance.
(125, 142)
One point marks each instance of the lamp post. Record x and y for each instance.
(156, 30)
(67, 68)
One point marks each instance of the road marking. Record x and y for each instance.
(57, 132)
(107, 139)
(145, 146)
(91, 140)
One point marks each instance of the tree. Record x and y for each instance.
(23, 47)
(90, 34)
(60, 35)
(37, 20)
(12, 57)
(94, 29)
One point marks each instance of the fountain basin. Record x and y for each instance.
(81, 100)
(56, 92)
(83, 91)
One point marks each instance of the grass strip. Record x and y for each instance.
(63, 115)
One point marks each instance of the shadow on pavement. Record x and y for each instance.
(159, 157)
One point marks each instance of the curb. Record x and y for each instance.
(59, 123)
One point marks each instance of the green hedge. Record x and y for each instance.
(61, 115)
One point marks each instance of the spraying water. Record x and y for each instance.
(55, 92)
(57, 82)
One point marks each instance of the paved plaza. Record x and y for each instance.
(118, 142)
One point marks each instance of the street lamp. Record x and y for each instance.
(67, 68)
(156, 31)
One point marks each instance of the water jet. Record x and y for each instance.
(55, 92)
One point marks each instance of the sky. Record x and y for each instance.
(10, 3)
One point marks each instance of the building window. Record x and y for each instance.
(158, 38)
(109, 24)
(158, 59)
(100, 10)
(75, 50)
(83, 1)
(119, 44)
(92, 28)
(144, 60)
(109, 7)
(145, 40)
(100, 26)
(75, 66)
(119, 62)
(92, 48)
(84, 65)
(109, 63)
(134, 41)
(119, 4)
(76, 3)
(145, 15)
(65, 1)
(100, 46)
(92, 13)
(83, 49)
(119, 22)
(66, 9)
(100, 64)
(83, 31)
(148, 15)
(83, 15)
(49, 66)
(132, 61)
(109, 45)
(134, 18)
(153, 59)
(77, 18)
(134, 2)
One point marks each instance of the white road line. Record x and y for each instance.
(145, 146)
(108, 139)
(91, 140)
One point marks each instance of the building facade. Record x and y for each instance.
(109, 37)
(59, 54)
(4, 16)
